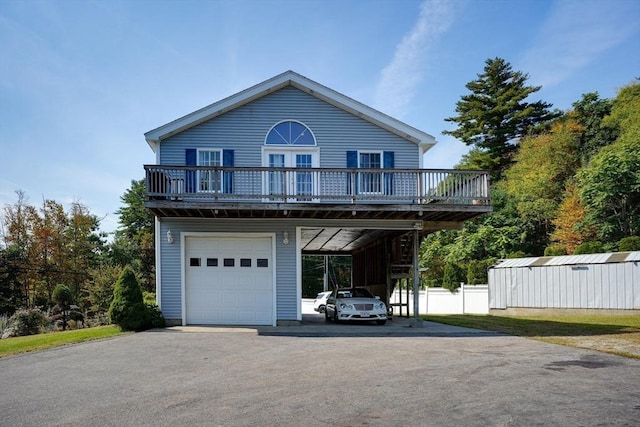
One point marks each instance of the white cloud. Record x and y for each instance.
(575, 34)
(401, 77)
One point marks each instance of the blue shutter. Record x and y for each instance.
(190, 159)
(388, 163)
(352, 163)
(352, 159)
(227, 160)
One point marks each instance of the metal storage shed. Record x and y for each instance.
(594, 281)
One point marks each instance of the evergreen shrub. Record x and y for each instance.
(555, 250)
(589, 248)
(127, 309)
(629, 244)
(155, 319)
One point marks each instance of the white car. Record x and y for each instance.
(348, 304)
(320, 302)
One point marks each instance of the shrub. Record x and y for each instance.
(149, 297)
(588, 248)
(25, 322)
(516, 254)
(453, 275)
(4, 323)
(62, 296)
(477, 271)
(629, 244)
(155, 318)
(127, 309)
(555, 250)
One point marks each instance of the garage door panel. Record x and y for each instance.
(239, 293)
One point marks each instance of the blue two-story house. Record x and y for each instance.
(242, 189)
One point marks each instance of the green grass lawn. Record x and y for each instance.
(611, 334)
(17, 345)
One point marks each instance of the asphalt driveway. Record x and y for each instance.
(342, 375)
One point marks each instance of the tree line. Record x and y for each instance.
(44, 246)
(561, 182)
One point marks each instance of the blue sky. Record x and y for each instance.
(81, 81)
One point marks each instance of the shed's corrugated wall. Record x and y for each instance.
(245, 128)
(593, 286)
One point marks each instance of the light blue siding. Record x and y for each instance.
(245, 128)
(171, 268)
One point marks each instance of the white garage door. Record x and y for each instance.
(229, 281)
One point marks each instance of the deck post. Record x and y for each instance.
(416, 322)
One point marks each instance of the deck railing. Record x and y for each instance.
(316, 185)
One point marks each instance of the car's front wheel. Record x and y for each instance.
(326, 316)
(322, 309)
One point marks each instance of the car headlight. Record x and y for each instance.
(381, 306)
(346, 306)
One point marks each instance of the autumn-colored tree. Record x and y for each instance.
(46, 246)
(569, 231)
(19, 276)
(49, 248)
(85, 243)
(538, 177)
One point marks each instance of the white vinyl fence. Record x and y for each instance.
(468, 299)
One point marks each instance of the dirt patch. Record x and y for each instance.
(627, 345)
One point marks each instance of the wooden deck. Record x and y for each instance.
(316, 193)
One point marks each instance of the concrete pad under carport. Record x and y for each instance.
(314, 325)
(229, 376)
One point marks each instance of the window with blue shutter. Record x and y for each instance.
(208, 180)
(371, 182)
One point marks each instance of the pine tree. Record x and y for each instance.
(495, 114)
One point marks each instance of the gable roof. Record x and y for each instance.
(290, 78)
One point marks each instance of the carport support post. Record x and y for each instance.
(325, 280)
(416, 322)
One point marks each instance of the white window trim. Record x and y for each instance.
(382, 181)
(200, 150)
(288, 150)
(315, 141)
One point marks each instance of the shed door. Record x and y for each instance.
(229, 280)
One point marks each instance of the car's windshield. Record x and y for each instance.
(354, 293)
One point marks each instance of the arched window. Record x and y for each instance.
(290, 132)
